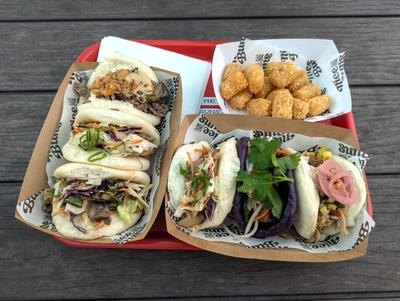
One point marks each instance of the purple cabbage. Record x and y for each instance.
(286, 190)
(79, 228)
(133, 129)
(112, 135)
(210, 209)
(242, 147)
(81, 192)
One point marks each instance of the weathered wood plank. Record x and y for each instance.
(34, 266)
(369, 296)
(22, 116)
(46, 50)
(107, 9)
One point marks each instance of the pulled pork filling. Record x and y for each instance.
(83, 201)
(134, 87)
(199, 200)
(120, 140)
(331, 213)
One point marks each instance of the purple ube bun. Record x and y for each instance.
(286, 190)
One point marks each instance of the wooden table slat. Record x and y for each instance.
(117, 9)
(47, 49)
(38, 41)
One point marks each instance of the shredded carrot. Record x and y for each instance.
(283, 152)
(77, 129)
(124, 189)
(263, 215)
(136, 141)
(190, 163)
(94, 125)
(203, 150)
(99, 224)
(61, 210)
(55, 201)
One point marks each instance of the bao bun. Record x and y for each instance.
(90, 113)
(92, 172)
(114, 63)
(224, 183)
(63, 222)
(308, 198)
(74, 153)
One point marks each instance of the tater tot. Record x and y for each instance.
(284, 75)
(230, 69)
(300, 108)
(255, 77)
(300, 81)
(260, 107)
(278, 93)
(240, 100)
(266, 88)
(272, 67)
(307, 92)
(233, 85)
(282, 103)
(318, 105)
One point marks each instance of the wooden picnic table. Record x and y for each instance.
(38, 42)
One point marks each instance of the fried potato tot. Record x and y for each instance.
(230, 69)
(300, 80)
(260, 107)
(318, 105)
(255, 77)
(284, 75)
(240, 100)
(272, 67)
(266, 88)
(307, 92)
(233, 85)
(300, 109)
(282, 103)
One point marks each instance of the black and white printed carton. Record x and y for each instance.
(320, 58)
(294, 134)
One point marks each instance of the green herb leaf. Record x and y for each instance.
(200, 184)
(184, 170)
(274, 202)
(268, 170)
(201, 179)
(288, 162)
(261, 151)
(254, 183)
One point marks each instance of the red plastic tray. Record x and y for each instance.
(158, 238)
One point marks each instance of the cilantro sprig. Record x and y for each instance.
(268, 170)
